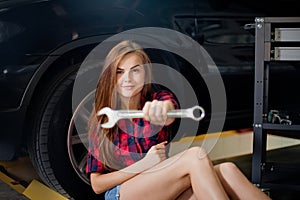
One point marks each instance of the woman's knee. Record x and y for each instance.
(226, 168)
(196, 153)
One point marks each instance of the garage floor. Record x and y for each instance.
(240, 153)
(284, 154)
(8, 193)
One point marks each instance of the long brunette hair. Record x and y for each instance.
(107, 96)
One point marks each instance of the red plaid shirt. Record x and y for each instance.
(133, 140)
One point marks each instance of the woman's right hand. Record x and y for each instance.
(156, 154)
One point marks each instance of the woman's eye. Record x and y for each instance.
(136, 70)
(119, 71)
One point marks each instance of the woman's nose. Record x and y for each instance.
(127, 76)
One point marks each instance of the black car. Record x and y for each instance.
(44, 42)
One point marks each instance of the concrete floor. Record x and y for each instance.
(7, 193)
(288, 154)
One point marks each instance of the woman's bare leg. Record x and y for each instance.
(174, 176)
(236, 184)
(187, 195)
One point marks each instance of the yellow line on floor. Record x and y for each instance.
(37, 191)
(12, 183)
(206, 136)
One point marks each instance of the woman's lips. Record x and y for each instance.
(128, 87)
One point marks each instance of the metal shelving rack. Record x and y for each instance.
(271, 30)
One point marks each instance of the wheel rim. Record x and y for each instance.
(78, 137)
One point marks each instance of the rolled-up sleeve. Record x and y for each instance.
(165, 95)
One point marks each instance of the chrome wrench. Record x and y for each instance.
(115, 115)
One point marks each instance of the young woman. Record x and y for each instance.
(129, 161)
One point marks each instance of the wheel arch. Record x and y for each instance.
(62, 54)
(57, 61)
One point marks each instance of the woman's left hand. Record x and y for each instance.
(156, 112)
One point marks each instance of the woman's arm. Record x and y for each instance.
(102, 182)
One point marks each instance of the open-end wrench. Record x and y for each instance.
(115, 115)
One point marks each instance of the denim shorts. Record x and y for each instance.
(113, 193)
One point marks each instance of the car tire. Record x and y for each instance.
(47, 145)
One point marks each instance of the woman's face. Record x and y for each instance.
(130, 76)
